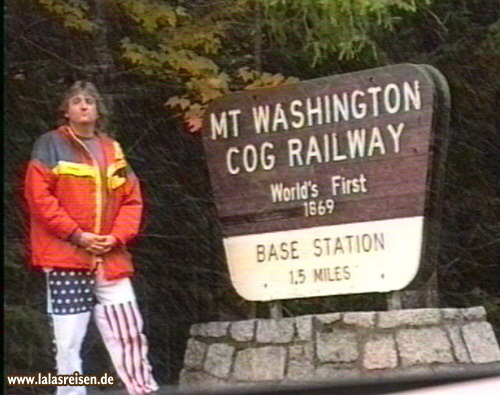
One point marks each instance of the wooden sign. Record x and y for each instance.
(322, 187)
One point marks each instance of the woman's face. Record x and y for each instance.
(82, 110)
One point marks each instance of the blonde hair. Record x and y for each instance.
(90, 89)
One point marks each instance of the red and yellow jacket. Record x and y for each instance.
(67, 193)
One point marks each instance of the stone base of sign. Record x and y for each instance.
(339, 346)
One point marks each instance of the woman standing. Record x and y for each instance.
(85, 205)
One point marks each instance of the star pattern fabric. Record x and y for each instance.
(71, 291)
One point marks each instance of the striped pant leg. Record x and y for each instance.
(120, 323)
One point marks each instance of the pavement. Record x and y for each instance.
(164, 390)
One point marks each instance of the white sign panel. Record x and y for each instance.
(377, 256)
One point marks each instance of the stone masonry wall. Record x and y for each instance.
(338, 346)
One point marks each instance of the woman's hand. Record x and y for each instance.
(97, 244)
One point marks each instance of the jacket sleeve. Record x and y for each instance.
(39, 185)
(127, 222)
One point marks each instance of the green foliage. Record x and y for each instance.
(152, 16)
(255, 79)
(336, 28)
(73, 13)
(188, 45)
(179, 49)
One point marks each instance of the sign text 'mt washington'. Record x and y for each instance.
(297, 114)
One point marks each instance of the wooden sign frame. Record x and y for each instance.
(330, 186)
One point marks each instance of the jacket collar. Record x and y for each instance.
(67, 131)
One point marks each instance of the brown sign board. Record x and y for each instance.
(329, 186)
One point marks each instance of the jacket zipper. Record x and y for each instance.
(99, 202)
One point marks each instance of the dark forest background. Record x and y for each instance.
(182, 277)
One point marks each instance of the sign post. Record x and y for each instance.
(328, 186)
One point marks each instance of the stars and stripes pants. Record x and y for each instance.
(72, 297)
